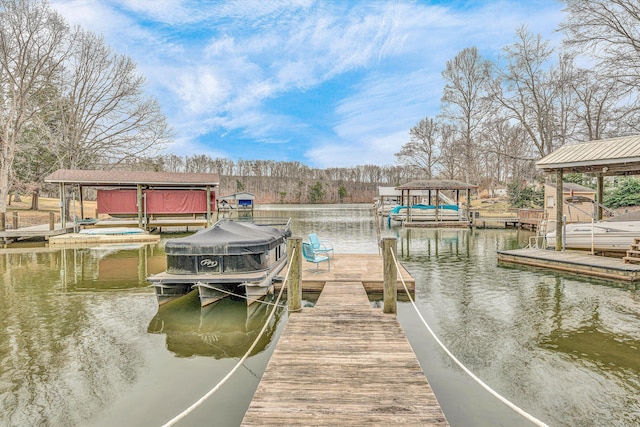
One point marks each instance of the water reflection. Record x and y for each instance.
(107, 267)
(224, 329)
(535, 336)
(84, 343)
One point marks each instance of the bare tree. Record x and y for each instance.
(533, 92)
(102, 112)
(32, 47)
(611, 30)
(422, 150)
(506, 143)
(601, 109)
(450, 148)
(464, 102)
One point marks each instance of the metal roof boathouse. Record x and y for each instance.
(141, 193)
(435, 188)
(607, 157)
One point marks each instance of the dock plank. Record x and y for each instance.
(343, 363)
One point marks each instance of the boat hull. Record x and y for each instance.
(212, 288)
(601, 236)
(426, 213)
(169, 292)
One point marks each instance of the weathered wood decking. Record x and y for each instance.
(365, 268)
(573, 262)
(343, 363)
(34, 231)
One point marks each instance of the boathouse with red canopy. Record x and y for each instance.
(142, 194)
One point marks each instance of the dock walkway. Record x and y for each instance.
(343, 363)
(365, 268)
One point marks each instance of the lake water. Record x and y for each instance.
(83, 343)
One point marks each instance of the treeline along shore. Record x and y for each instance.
(299, 191)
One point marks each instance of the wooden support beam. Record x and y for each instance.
(294, 293)
(63, 206)
(390, 275)
(81, 202)
(208, 206)
(139, 198)
(599, 196)
(559, 208)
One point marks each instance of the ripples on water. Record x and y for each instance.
(84, 343)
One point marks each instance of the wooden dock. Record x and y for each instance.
(343, 363)
(365, 268)
(437, 224)
(577, 262)
(35, 231)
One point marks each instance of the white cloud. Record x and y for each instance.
(215, 66)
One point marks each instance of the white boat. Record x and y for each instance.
(230, 258)
(426, 213)
(610, 235)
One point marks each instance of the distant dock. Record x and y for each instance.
(43, 231)
(343, 363)
(575, 262)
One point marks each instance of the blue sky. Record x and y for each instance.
(325, 83)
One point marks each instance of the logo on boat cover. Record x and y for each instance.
(209, 263)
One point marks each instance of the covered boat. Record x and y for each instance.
(599, 236)
(422, 212)
(229, 258)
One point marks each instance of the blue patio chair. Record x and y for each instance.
(320, 246)
(311, 256)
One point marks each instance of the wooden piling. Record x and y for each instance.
(390, 274)
(14, 217)
(294, 292)
(3, 221)
(52, 220)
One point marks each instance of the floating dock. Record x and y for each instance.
(576, 262)
(81, 239)
(343, 363)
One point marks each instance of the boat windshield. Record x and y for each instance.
(216, 264)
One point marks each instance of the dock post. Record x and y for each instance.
(3, 221)
(390, 273)
(294, 293)
(52, 220)
(15, 220)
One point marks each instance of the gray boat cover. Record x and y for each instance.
(228, 238)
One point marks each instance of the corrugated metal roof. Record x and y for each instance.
(608, 156)
(129, 178)
(436, 184)
(571, 186)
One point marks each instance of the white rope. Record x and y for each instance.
(235, 368)
(504, 400)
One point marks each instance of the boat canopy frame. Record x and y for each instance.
(600, 158)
